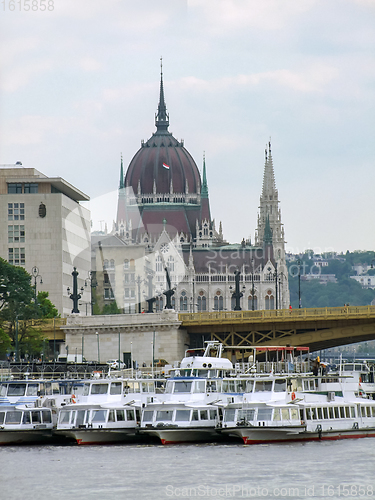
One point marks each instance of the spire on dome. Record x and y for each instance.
(162, 117)
(204, 191)
(121, 175)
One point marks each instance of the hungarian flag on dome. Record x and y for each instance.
(166, 166)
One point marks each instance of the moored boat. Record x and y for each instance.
(22, 425)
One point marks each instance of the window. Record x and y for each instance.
(30, 187)
(126, 264)
(159, 264)
(99, 415)
(147, 416)
(16, 211)
(280, 385)
(14, 188)
(164, 415)
(16, 234)
(204, 414)
(120, 415)
(183, 302)
(250, 303)
(130, 415)
(202, 302)
(170, 264)
(264, 414)
(218, 302)
(108, 293)
(182, 415)
(13, 417)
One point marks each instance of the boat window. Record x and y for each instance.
(204, 414)
(247, 415)
(229, 386)
(325, 412)
(276, 414)
(358, 368)
(342, 412)
(111, 416)
(241, 386)
(99, 415)
(264, 414)
(280, 385)
(2, 415)
(195, 415)
(296, 385)
(211, 386)
(115, 388)
(99, 389)
(347, 411)
(373, 411)
(352, 411)
(285, 413)
(331, 413)
(229, 415)
(182, 416)
(55, 388)
(308, 414)
(13, 417)
(200, 386)
(348, 368)
(36, 417)
(64, 417)
(320, 413)
(47, 417)
(32, 390)
(249, 385)
(26, 417)
(200, 373)
(3, 390)
(368, 411)
(182, 386)
(337, 412)
(294, 414)
(16, 389)
(213, 414)
(147, 416)
(120, 415)
(130, 415)
(305, 385)
(164, 415)
(263, 386)
(80, 417)
(148, 387)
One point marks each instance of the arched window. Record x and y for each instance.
(159, 264)
(170, 264)
(183, 302)
(250, 303)
(269, 300)
(218, 302)
(202, 302)
(105, 264)
(126, 264)
(112, 264)
(159, 304)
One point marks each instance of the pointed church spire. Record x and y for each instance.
(204, 192)
(269, 184)
(121, 175)
(162, 117)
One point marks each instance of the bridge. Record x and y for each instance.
(316, 328)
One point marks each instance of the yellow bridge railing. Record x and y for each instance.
(279, 315)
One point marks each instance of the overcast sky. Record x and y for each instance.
(80, 85)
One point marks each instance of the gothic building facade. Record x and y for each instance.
(164, 238)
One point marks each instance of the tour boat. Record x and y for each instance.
(176, 423)
(106, 423)
(20, 424)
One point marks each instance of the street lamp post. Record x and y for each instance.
(75, 296)
(252, 284)
(299, 284)
(237, 294)
(35, 275)
(93, 284)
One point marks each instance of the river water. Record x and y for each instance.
(336, 470)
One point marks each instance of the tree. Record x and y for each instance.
(19, 318)
(111, 308)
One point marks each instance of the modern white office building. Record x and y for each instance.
(44, 228)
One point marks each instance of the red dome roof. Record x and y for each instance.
(149, 166)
